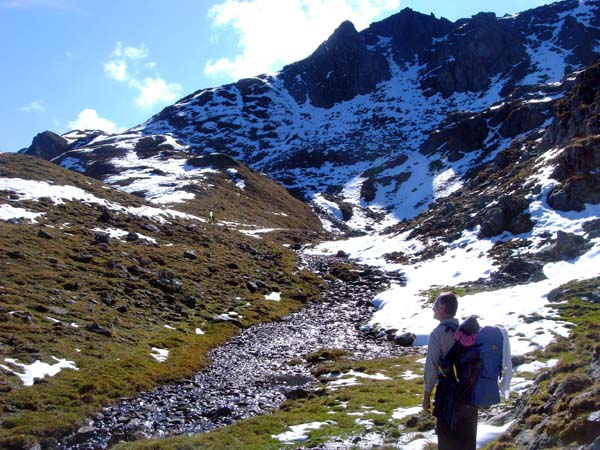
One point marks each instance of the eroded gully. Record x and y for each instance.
(252, 373)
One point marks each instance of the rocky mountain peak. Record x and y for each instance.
(346, 31)
(341, 68)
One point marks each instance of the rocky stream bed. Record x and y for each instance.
(254, 372)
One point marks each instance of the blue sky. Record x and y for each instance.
(112, 64)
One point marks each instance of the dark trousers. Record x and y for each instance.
(464, 437)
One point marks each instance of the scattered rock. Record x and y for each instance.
(84, 433)
(23, 315)
(132, 237)
(83, 258)
(190, 254)
(72, 286)
(44, 234)
(150, 227)
(105, 216)
(95, 328)
(101, 238)
(252, 286)
(167, 282)
(189, 301)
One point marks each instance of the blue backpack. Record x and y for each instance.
(469, 375)
(489, 343)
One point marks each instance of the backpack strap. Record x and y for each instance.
(449, 326)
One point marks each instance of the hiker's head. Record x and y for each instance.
(445, 306)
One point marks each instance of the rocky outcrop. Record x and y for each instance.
(461, 135)
(506, 215)
(576, 114)
(47, 145)
(577, 127)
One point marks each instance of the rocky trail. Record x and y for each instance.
(255, 371)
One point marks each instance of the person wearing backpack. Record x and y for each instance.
(440, 342)
(468, 380)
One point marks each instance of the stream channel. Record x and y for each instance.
(252, 373)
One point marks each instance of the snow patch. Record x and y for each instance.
(37, 369)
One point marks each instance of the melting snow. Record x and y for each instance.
(38, 369)
(410, 375)
(8, 212)
(401, 413)
(159, 354)
(274, 296)
(298, 433)
(34, 190)
(406, 308)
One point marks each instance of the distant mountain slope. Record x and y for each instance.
(374, 124)
(158, 169)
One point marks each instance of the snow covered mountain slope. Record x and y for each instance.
(374, 126)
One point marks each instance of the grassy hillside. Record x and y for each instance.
(71, 289)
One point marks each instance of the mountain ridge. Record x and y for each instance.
(312, 126)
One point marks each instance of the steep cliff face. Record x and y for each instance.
(577, 131)
(472, 54)
(339, 70)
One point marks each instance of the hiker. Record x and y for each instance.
(441, 340)
(467, 374)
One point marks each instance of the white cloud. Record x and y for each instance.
(117, 70)
(34, 106)
(130, 52)
(88, 119)
(152, 90)
(156, 90)
(272, 33)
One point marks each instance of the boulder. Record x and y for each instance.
(405, 339)
(132, 237)
(506, 215)
(101, 238)
(190, 254)
(167, 282)
(566, 246)
(575, 192)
